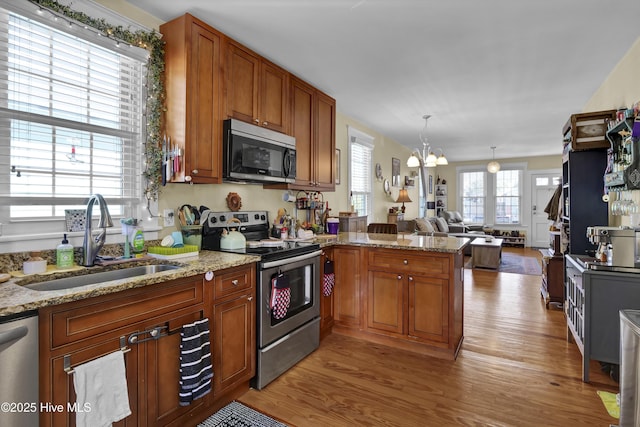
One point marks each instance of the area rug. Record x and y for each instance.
(237, 415)
(512, 263)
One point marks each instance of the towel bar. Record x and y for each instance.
(67, 358)
(154, 334)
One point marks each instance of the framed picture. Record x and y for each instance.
(430, 184)
(337, 166)
(395, 172)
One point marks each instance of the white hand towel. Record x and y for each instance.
(101, 389)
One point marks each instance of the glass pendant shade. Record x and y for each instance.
(493, 166)
(413, 161)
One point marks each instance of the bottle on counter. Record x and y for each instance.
(64, 254)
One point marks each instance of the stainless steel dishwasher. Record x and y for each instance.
(19, 404)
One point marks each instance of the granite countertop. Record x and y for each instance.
(14, 298)
(408, 241)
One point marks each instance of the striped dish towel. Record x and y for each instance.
(195, 362)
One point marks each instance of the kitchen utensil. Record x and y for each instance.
(232, 239)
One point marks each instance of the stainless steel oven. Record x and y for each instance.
(286, 333)
(284, 342)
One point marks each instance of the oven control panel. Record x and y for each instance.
(246, 218)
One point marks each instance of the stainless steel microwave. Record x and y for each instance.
(255, 154)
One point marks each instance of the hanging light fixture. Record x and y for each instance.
(427, 156)
(493, 166)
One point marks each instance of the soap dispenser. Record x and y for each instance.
(64, 254)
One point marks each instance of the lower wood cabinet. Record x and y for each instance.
(406, 298)
(234, 337)
(77, 332)
(347, 304)
(403, 302)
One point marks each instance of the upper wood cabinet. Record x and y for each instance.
(193, 77)
(257, 91)
(313, 125)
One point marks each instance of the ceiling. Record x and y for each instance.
(503, 73)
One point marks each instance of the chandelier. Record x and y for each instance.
(427, 156)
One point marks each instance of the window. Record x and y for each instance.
(491, 198)
(71, 121)
(360, 171)
(508, 190)
(473, 197)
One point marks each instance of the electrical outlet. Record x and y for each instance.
(169, 218)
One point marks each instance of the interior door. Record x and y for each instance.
(543, 186)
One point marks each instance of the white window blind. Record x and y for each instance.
(360, 171)
(508, 196)
(70, 122)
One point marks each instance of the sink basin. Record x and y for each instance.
(93, 278)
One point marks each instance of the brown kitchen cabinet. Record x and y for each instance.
(234, 337)
(193, 81)
(326, 302)
(347, 299)
(257, 91)
(85, 330)
(407, 295)
(552, 286)
(313, 125)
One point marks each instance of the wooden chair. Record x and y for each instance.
(382, 228)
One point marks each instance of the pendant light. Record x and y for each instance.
(493, 166)
(427, 156)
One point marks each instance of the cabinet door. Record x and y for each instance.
(234, 342)
(159, 362)
(428, 308)
(385, 302)
(242, 71)
(274, 97)
(59, 389)
(302, 109)
(194, 109)
(325, 142)
(347, 290)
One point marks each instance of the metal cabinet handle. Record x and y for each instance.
(250, 299)
(265, 123)
(405, 262)
(234, 282)
(257, 120)
(195, 171)
(411, 278)
(399, 277)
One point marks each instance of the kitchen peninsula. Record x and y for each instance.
(401, 290)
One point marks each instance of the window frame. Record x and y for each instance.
(490, 208)
(15, 230)
(356, 136)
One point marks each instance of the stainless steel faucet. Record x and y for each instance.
(91, 246)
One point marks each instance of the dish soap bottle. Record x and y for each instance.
(137, 241)
(64, 254)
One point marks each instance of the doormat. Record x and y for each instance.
(512, 263)
(237, 415)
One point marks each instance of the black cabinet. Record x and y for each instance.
(583, 188)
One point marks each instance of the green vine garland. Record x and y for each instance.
(155, 105)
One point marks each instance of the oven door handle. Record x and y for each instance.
(286, 261)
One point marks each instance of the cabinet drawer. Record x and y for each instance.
(233, 280)
(80, 320)
(408, 261)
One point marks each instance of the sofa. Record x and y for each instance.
(456, 224)
(437, 226)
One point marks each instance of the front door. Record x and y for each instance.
(543, 185)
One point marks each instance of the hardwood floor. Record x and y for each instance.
(515, 368)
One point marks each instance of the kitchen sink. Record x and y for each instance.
(105, 276)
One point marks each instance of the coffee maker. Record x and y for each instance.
(617, 246)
